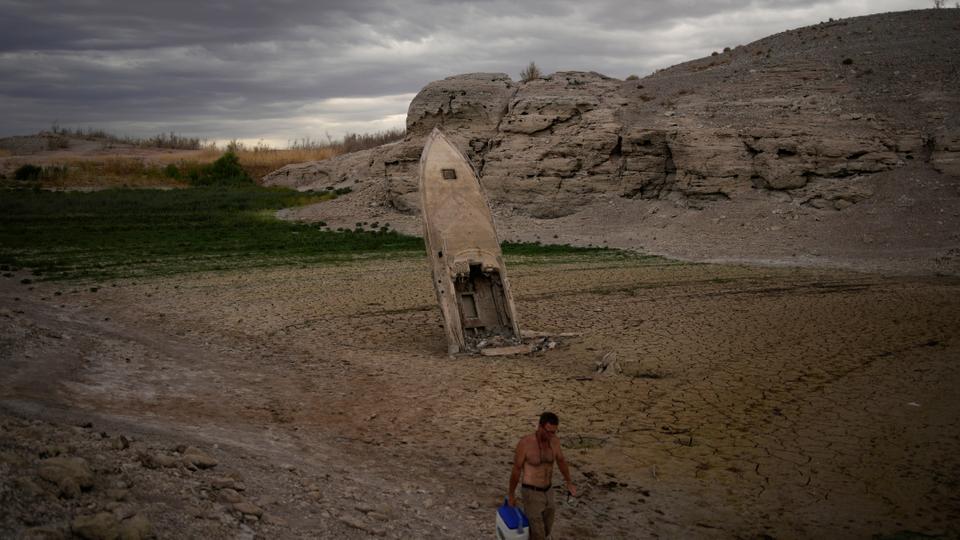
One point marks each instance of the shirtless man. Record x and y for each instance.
(534, 460)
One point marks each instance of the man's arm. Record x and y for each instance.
(564, 470)
(518, 458)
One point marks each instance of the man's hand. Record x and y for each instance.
(511, 500)
(571, 489)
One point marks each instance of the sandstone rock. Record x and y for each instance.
(136, 527)
(221, 482)
(121, 511)
(28, 487)
(358, 523)
(120, 443)
(230, 495)
(157, 460)
(273, 519)
(100, 526)
(474, 102)
(198, 458)
(248, 508)
(71, 474)
(945, 153)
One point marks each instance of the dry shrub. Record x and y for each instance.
(163, 140)
(530, 73)
(105, 173)
(261, 161)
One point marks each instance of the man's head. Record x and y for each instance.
(549, 418)
(548, 425)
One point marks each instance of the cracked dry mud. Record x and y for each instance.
(738, 402)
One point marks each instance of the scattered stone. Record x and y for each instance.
(273, 519)
(221, 482)
(248, 508)
(197, 458)
(100, 526)
(27, 486)
(609, 365)
(136, 527)
(157, 460)
(230, 495)
(358, 523)
(71, 474)
(246, 533)
(364, 508)
(120, 443)
(117, 494)
(122, 511)
(196, 512)
(46, 532)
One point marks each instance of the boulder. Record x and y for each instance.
(136, 527)
(248, 508)
(71, 474)
(99, 526)
(194, 457)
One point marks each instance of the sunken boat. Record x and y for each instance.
(469, 275)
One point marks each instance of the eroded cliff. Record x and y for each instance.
(808, 113)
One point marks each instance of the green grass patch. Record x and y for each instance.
(122, 233)
(526, 253)
(125, 232)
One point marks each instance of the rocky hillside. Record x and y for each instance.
(808, 118)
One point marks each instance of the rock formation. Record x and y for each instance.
(807, 113)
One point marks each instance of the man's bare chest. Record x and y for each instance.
(538, 454)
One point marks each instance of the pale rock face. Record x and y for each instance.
(471, 104)
(805, 114)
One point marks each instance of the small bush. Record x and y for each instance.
(633, 78)
(54, 172)
(847, 61)
(58, 143)
(27, 173)
(225, 171)
(530, 73)
(171, 171)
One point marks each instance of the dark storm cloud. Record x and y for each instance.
(289, 69)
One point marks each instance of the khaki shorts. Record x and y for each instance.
(540, 510)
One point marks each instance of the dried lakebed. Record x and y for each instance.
(695, 401)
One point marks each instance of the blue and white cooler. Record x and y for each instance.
(512, 523)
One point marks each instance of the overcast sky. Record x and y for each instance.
(284, 70)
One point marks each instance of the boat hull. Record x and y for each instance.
(469, 275)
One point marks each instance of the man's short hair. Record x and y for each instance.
(549, 418)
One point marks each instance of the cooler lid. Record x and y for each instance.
(512, 516)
